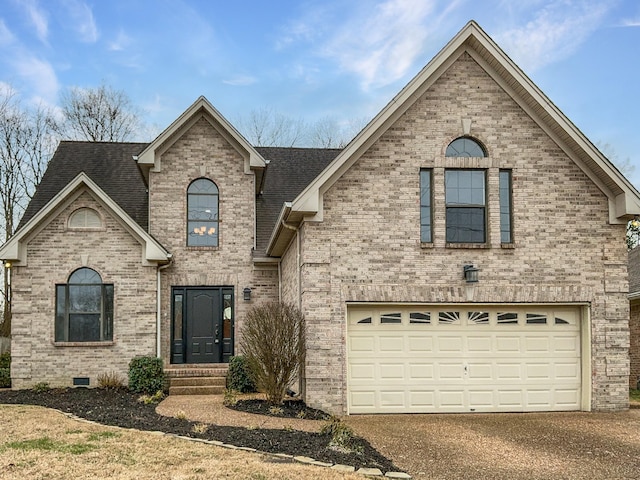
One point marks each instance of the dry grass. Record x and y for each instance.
(41, 443)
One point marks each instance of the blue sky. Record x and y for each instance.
(316, 58)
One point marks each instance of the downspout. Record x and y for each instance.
(159, 304)
(298, 248)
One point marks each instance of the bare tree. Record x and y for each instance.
(99, 114)
(266, 128)
(26, 145)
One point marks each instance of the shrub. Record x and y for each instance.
(152, 399)
(5, 378)
(5, 370)
(239, 376)
(342, 436)
(146, 375)
(272, 340)
(110, 380)
(41, 387)
(5, 360)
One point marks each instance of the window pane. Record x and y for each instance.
(536, 318)
(391, 318)
(107, 321)
(203, 233)
(202, 213)
(464, 147)
(85, 276)
(84, 327)
(61, 312)
(425, 205)
(465, 225)
(177, 317)
(420, 317)
(449, 317)
(505, 206)
(85, 298)
(478, 317)
(510, 318)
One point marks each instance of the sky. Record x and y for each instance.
(312, 59)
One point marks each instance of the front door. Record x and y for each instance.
(202, 329)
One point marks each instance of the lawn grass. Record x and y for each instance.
(42, 443)
(634, 395)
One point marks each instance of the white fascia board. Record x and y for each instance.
(151, 155)
(15, 248)
(278, 227)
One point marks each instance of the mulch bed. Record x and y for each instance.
(122, 408)
(288, 409)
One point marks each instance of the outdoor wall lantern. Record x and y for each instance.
(470, 274)
(246, 293)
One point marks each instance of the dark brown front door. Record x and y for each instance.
(202, 325)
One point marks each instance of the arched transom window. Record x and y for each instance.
(465, 147)
(84, 308)
(202, 213)
(85, 218)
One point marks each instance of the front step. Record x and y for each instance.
(197, 379)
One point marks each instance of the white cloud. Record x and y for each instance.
(631, 22)
(38, 18)
(6, 37)
(381, 48)
(81, 19)
(240, 80)
(554, 33)
(40, 75)
(119, 43)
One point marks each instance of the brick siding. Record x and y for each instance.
(53, 254)
(564, 248)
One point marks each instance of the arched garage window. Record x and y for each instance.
(84, 308)
(202, 213)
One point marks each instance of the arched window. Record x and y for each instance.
(85, 218)
(202, 214)
(465, 147)
(465, 195)
(84, 308)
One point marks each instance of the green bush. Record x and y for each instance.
(239, 376)
(5, 378)
(5, 370)
(5, 360)
(146, 375)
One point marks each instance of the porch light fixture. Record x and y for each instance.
(246, 294)
(470, 274)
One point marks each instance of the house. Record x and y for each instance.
(634, 317)
(464, 253)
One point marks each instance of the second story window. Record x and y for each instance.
(465, 197)
(202, 214)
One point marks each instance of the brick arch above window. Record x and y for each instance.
(466, 147)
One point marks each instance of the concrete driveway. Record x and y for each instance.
(528, 446)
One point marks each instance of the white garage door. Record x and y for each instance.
(426, 359)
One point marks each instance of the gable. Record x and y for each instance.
(623, 198)
(16, 248)
(201, 109)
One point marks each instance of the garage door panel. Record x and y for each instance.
(449, 344)
(394, 344)
(392, 372)
(422, 399)
(480, 371)
(362, 344)
(420, 371)
(465, 366)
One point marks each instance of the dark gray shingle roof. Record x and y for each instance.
(110, 165)
(289, 171)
